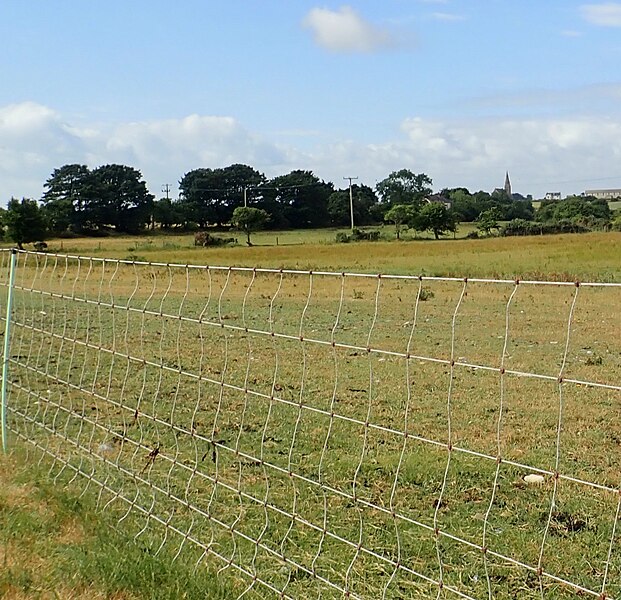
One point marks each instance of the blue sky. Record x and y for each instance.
(461, 90)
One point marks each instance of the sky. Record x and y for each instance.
(462, 90)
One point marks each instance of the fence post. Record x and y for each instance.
(7, 343)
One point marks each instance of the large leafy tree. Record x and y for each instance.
(122, 199)
(82, 200)
(209, 196)
(404, 187)
(196, 190)
(25, 222)
(364, 200)
(67, 193)
(436, 218)
(168, 213)
(298, 199)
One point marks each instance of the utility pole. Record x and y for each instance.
(166, 190)
(351, 201)
(245, 197)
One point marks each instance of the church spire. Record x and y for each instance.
(507, 184)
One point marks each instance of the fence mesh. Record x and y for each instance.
(331, 434)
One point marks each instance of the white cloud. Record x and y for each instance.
(539, 153)
(607, 14)
(571, 33)
(346, 31)
(34, 140)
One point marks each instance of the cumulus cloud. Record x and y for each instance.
(607, 14)
(540, 154)
(34, 140)
(345, 30)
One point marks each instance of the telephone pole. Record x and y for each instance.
(166, 190)
(351, 201)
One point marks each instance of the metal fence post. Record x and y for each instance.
(7, 344)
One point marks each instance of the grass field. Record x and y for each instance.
(563, 257)
(282, 441)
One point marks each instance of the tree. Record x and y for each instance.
(339, 209)
(435, 217)
(209, 196)
(68, 192)
(404, 187)
(488, 220)
(574, 208)
(167, 213)
(122, 199)
(399, 214)
(249, 219)
(25, 222)
(109, 196)
(298, 199)
(468, 206)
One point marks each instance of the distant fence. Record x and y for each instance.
(329, 434)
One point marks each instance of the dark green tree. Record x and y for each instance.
(435, 217)
(168, 213)
(67, 194)
(404, 187)
(209, 196)
(249, 219)
(25, 222)
(122, 199)
(339, 209)
(468, 206)
(298, 199)
(82, 200)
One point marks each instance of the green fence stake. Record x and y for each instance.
(7, 344)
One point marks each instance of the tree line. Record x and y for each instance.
(82, 201)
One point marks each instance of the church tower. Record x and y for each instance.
(507, 184)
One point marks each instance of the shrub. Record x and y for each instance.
(359, 235)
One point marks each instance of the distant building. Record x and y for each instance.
(552, 196)
(612, 194)
(507, 184)
(442, 199)
(506, 188)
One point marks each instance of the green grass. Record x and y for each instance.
(595, 256)
(129, 406)
(54, 544)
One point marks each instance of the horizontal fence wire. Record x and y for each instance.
(326, 434)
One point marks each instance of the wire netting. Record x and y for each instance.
(331, 434)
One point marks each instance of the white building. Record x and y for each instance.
(612, 194)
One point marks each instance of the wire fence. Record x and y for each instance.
(329, 434)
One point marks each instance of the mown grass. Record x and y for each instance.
(213, 440)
